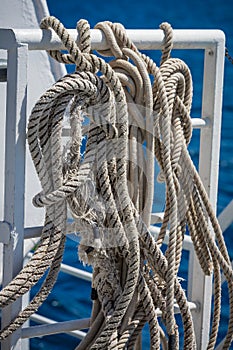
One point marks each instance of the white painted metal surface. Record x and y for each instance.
(42, 73)
(19, 90)
(18, 42)
(145, 39)
(15, 176)
(49, 326)
(199, 286)
(226, 217)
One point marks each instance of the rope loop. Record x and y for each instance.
(75, 54)
(114, 48)
(168, 41)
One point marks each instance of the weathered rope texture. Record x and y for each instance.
(131, 112)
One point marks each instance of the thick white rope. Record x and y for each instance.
(109, 191)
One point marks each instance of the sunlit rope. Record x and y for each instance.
(137, 111)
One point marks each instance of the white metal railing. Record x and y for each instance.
(52, 327)
(18, 42)
(225, 218)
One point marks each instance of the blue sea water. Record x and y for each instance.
(70, 297)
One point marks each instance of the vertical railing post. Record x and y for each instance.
(200, 286)
(14, 189)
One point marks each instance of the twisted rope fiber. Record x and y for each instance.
(172, 235)
(159, 264)
(123, 301)
(109, 191)
(130, 331)
(223, 250)
(38, 265)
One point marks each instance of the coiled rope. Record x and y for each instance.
(136, 111)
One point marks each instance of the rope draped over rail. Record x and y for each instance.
(137, 111)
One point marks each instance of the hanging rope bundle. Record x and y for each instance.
(136, 111)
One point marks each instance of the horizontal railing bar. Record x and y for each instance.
(197, 123)
(187, 242)
(72, 327)
(144, 39)
(32, 232)
(73, 271)
(35, 231)
(225, 218)
(156, 218)
(192, 307)
(50, 326)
